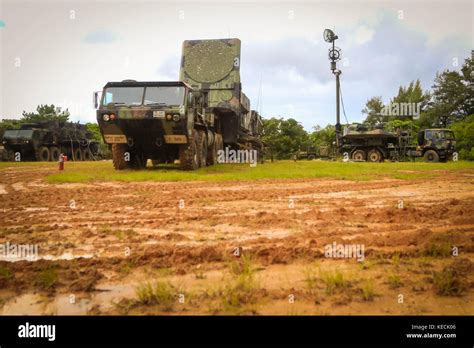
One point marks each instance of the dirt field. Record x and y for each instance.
(250, 247)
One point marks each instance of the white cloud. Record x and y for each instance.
(363, 34)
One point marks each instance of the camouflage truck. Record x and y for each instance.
(188, 120)
(45, 141)
(375, 145)
(313, 152)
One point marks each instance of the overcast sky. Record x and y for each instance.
(61, 51)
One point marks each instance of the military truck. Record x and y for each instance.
(45, 141)
(313, 152)
(375, 145)
(188, 120)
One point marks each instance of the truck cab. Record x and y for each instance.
(149, 120)
(436, 144)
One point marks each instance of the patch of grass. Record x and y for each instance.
(243, 289)
(396, 259)
(334, 280)
(103, 171)
(366, 264)
(450, 282)
(47, 278)
(311, 278)
(242, 265)
(121, 234)
(165, 271)
(368, 291)
(394, 281)
(162, 294)
(438, 249)
(5, 273)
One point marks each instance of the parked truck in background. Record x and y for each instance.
(45, 141)
(188, 120)
(375, 145)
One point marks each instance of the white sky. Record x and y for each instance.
(61, 51)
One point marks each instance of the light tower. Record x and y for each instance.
(334, 56)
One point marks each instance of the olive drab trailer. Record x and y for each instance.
(45, 141)
(189, 120)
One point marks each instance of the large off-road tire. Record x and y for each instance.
(202, 148)
(359, 155)
(54, 153)
(311, 157)
(212, 153)
(78, 154)
(118, 156)
(431, 156)
(188, 153)
(374, 155)
(43, 154)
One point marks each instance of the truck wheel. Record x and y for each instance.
(188, 153)
(212, 153)
(374, 155)
(359, 155)
(54, 153)
(202, 149)
(43, 154)
(431, 156)
(118, 156)
(311, 157)
(78, 154)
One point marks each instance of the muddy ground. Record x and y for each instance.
(254, 247)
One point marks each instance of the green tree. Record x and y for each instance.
(323, 136)
(464, 133)
(46, 113)
(373, 110)
(453, 98)
(284, 137)
(94, 129)
(413, 96)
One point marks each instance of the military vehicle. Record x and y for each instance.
(375, 145)
(313, 152)
(45, 141)
(190, 120)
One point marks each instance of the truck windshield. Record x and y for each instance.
(448, 135)
(123, 95)
(159, 95)
(164, 95)
(17, 133)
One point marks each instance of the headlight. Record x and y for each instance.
(4, 142)
(112, 117)
(169, 117)
(105, 117)
(176, 117)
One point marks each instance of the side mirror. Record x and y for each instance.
(96, 98)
